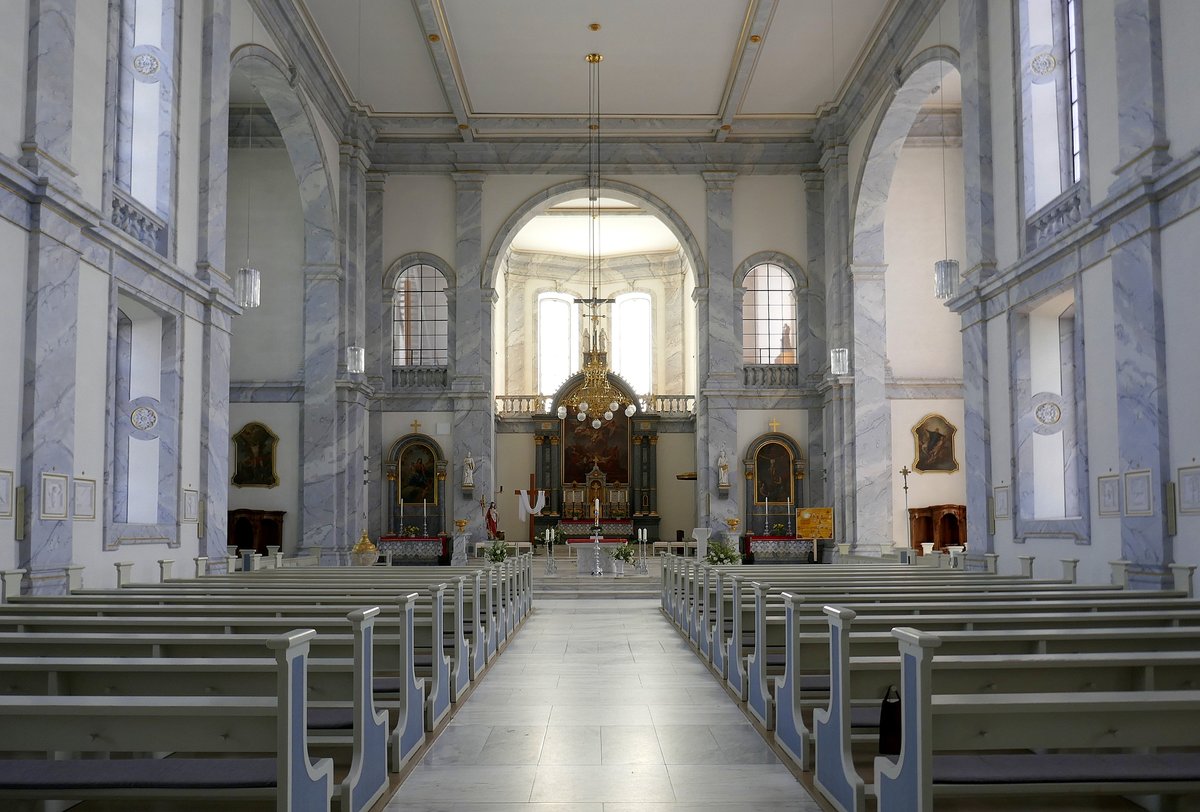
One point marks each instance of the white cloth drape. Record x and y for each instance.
(524, 509)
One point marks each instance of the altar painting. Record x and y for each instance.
(606, 447)
(418, 475)
(772, 474)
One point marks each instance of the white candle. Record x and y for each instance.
(402, 508)
(423, 509)
(596, 508)
(787, 520)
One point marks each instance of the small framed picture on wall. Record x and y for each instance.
(1139, 496)
(1189, 489)
(54, 496)
(1108, 494)
(191, 505)
(83, 499)
(6, 494)
(1001, 502)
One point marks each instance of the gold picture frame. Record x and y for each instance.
(254, 457)
(933, 445)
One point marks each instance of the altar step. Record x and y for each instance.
(568, 584)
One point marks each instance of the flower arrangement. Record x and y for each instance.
(496, 552)
(778, 529)
(721, 553)
(557, 535)
(412, 531)
(625, 552)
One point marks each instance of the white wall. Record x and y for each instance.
(91, 68)
(1005, 180)
(187, 200)
(769, 215)
(514, 464)
(268, 341)
(418, 215)
(1100, 73)
(284, 420)
(923, 335)
(676, 497)
(14, 41)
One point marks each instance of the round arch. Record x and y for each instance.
(269, 76)
(626, 192)
(402, 263)
(794, 268)
(920, 77)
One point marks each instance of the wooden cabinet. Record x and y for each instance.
(944, 525)
(256, 529)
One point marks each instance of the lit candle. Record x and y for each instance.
(423, 509)
(596, 508)
(401, 508)
(788, 518)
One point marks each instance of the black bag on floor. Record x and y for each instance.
(890, 723)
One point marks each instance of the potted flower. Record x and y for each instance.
(496, 552)
(624, 554)
(721, 553)
(412, 531)
(778, 529)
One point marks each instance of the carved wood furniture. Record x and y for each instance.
(943, 525)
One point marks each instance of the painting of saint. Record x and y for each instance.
(934, 438)
(418, 475)
(606, 447)
(254, 457)
(772, 474)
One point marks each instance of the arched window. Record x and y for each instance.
(769, 316)
(557, 340)
(633, 340)
(419, 318)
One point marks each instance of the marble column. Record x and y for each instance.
(48, 406)
(474, 305)
(49, 91)
(378, 346)
(977, 440)
(1141, 106)
(872, 413)
(214, 428)
(319, 420)
(975, 70)
(839, 436)
(720, 360)
(214, 140)
(815, 356)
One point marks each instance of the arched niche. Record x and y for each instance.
(416, 486)
(774, 467)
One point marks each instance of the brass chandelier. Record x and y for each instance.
(596, 399)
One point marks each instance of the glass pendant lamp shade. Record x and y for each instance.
(630, 409)
(839, 361)
(356, 360)
(247, 287)
(562, 412)
(945, 279)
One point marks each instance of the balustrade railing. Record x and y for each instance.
(526, 405)
(420, 377)
(1058, 216)
(131, 217)
(771, 376)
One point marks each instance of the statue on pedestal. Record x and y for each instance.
(469, 471)
(723, 469)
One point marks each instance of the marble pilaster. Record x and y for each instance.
(319, 420)
(378, 346)
(721, 361)
(978, 203)
(471, 383)
(49, 91)
(872, 412)
(214, 432)
(214, 138)
(48, 408)
(1141, 105)
(977, 443)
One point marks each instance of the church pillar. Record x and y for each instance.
(471, 384)
(214, 432)
(839, 435)
(50, 92)
(319, 418)
(815, 353)
(379, 342)
(214, 142)
(1134, 246)
(979, 264)
(872, 413)
(720, 357)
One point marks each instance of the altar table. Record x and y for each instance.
(781, 550)
(585, 558)
(416, 549)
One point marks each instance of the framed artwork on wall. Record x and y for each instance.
(934, 441)
(254, 457)
(191, 506)
(1189, 489)
(1000, 501)
(54, 496)
(1108, 494)
(6, 494)
(1139, 496)
(83, 499)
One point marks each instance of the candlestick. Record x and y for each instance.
(787, 519)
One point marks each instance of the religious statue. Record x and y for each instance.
(723, 469)
(492, 517)
(469, 471)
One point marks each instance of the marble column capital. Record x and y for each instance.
(468, 181)
(814, 180)
(322, 273)
(489, 296)
(718, 180)
(834, 155)
(376, 181)
(867, 273)
(699, 295)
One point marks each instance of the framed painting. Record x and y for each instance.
(773, 474)
(417, 474)
(254, 457)
(1139, 496)
(1189, 489)
(6, 494)
(1108, 495)
(83, 499)
(1000, 502)
(933, 438)
(54, 496)
(191, 506)
(607, 448)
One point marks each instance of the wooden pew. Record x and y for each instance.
(1115, 739)
(1050, 659)
(185, 724)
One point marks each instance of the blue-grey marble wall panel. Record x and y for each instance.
(1141, 106)
(319, 418)
(872, 414)
(214, 139)
(214, 435)
(49, 91)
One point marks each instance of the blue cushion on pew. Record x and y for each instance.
(330, 718)
(864, 716)
(135, 773)
(814, 682)
(387, 685)
(1055, 768)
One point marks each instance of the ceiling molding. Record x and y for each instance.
(284, 20)
(758, 21)
(432, 17)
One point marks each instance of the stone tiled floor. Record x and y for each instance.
(599, 706)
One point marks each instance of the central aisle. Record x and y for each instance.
(600, 706)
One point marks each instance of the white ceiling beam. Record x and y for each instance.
(758, 21)
(432, 17)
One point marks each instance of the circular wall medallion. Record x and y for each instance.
(146, 64)
(143, 418)
(1048, 413)
(1043, 64)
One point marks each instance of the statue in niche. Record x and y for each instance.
(787, 348)
(723, 469)
(469, 471)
